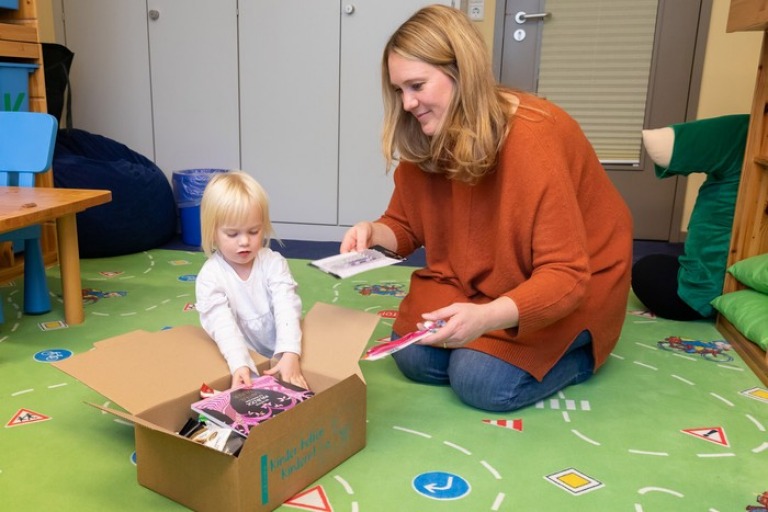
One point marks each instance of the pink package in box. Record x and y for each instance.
(245, 407)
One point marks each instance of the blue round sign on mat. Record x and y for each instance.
(52, 355)
(440, 485)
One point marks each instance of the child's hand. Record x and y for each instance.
(289, 369)
(241, 377)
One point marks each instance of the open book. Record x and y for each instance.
(352, 263)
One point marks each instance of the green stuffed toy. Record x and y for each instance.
(682, 287)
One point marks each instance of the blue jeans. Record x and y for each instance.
(486, 382)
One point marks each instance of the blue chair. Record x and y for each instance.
(27, 141)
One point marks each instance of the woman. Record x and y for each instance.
(528, 244)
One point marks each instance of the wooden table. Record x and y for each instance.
(27, 206)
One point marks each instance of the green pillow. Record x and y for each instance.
(752, 272)
(747, 310)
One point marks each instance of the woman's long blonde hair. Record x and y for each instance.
(467, 144)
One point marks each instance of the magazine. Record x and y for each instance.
(244, 407)
(352, 263)
(386, 348)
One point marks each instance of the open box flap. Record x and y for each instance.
(119, 339)
(129, 417)
(140, 369)
(334, 339)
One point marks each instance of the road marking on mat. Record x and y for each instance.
(314, 499)
(25, 417)
(646, 490)
(712, 434)
(440, 485)
(574, 481)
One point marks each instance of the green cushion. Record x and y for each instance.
(752, 272)
(747, 310)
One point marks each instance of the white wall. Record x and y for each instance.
(728, 79)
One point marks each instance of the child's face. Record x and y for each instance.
(239, 242)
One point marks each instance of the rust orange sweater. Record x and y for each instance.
(547, 229)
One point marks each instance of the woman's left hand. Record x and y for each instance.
(465, 322)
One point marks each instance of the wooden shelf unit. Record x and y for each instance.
(750, 224)
(20, 42)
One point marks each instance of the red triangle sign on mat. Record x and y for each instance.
(311, 499)
(712, 434)
(25, 416)
(510, 424)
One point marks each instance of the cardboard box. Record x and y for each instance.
(157, 376)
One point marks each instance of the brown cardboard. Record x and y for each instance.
(156, 376)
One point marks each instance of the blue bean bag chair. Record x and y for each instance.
(142, 213)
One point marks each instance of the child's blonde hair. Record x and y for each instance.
(228, 198)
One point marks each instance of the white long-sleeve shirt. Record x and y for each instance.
(262, 312)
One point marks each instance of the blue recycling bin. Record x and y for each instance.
(188, 188)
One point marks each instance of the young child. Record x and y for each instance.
(246, 295)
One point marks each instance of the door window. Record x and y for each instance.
(595, 63)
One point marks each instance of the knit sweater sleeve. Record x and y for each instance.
(399, 217)
(557, 276)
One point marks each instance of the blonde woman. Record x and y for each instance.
(528, 244)
(246, 295)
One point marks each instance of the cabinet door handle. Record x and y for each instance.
(349, 8)
(154, 14)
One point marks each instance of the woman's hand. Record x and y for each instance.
(365, 234)
(358, 237)
(289, 370)
(465, 322)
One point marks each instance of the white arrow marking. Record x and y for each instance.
(433, 487)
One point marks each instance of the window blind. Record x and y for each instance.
(595, 63)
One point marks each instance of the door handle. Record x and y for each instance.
(521, 17)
